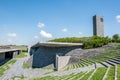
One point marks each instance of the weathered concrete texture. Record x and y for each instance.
(45, 56)
(7, 54)
(2, 57)
(77, 54)
(61, 61)
(15, 54)
(98, 27)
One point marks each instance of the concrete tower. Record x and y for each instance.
(98, 27)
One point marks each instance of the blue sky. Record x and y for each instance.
(30, 21)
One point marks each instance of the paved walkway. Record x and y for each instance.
(17, 70)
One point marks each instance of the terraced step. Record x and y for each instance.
(104, 78)
(67, 77)
(118, 72)
(77, 76)
(86, 76)
(115, 61)
(105, 64)
(111, 73)
(99, 74)
(99, 65)
(111, 63)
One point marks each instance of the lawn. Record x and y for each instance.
(111, 73)
(118, 72)
(21, 47)
(6, 66)
(21, 55)
(99, 74)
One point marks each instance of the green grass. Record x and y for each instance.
(72, 76)
(111, 73)
(6, 66)
(73, 66)
(99, 74)
(21, 55)
(77, 76)
(118, 72)
(87, 75)
(21, 47)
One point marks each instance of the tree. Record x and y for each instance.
(115, 38)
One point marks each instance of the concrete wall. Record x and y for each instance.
(62, 61)
(98, 26)
(46, 56)
(2, 57)
(15, 54)
(9, 55)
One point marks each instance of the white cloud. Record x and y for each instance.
(118, 18)
(80, 33)
(36, 37)
(45, 34)
(41, 25)
(12, 34)
(64, 30)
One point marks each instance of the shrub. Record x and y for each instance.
(95, 42)
(88, 42)
(116, 38)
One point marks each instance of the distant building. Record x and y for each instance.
(98, 26)
(7, 53)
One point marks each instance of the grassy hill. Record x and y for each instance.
(88, 42)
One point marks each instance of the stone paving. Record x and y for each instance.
(17, 70)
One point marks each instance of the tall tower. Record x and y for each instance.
(98, 27)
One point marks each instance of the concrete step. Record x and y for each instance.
(118, 58)
(115, 61)
(105, 64)
(111, 63)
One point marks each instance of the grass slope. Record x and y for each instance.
(21, 55)
(6, 66)
(111, 73)
(118, 72)
(99, 74)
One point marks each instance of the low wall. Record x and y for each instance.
(46, 56)
(15, 54)
(61, 61)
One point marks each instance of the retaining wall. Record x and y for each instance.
(46, 56)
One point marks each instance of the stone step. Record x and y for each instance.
(111, 63)
(99, 65)
(118, 58)
(105, 64)
(115, 61)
